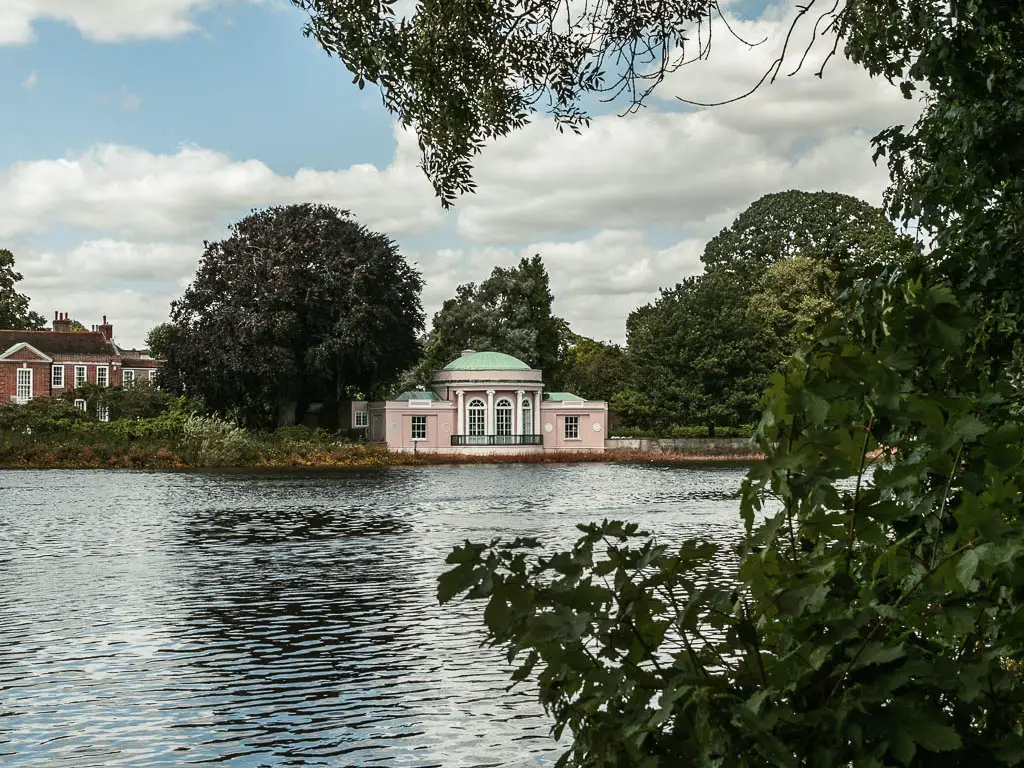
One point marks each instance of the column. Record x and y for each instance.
(518, 427)
(536, 412)
(489, 428)
(460, 414)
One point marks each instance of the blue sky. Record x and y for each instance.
(128, 138)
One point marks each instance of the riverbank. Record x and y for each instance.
(352, 456)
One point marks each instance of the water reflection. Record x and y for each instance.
(251, 619)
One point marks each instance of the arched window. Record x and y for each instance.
(527, 425)
(503, 417)
(477, 418)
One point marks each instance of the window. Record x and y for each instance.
(503, 417)
(361, 419)
(572, 427)
(103, 412)
(79, 376)
(24, 391)
(127, 379)
(527, 418)
(102, 375)
(419, 427)
(57, 377)
(477, 419)
(81, 405)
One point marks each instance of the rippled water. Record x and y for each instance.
(152, 619)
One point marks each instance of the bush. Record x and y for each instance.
(217, 443)
(42, 415)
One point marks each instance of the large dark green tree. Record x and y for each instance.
(300, 304)
(699, 355)
(508, 312)
(14, 312)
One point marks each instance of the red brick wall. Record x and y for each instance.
(9, 379)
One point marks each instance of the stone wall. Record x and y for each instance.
(696, 446)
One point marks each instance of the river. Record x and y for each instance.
(249, 620)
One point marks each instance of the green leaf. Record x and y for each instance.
(967, 566)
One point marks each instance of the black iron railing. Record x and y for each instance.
(497, 439)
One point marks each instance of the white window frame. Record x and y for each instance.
(57, 377)
(127, 378)
(105, 370)
(572, 427)
(476, 418)
(360, 419)
(419, 425)
(503, 413)
(84, 378)
(103, 412)
(23, 390)
(81, 405)
(526, 427)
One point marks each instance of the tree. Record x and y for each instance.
(508, 312)
(703, 352)
(592, 369)
(836, 230)
(159, 339)
(14, 312)
(699, 355)
(300, 304)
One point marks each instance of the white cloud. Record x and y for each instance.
(104, 21)
(596, 282)
(132, 284)
(30, 82)
(132, 193)
(691, 170)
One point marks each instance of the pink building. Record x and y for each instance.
(485, 402)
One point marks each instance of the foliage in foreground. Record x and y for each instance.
(874, 617)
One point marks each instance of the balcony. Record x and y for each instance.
(497, 439)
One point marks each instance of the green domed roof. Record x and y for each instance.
(486, 361)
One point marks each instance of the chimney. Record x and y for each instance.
(106, 329)
(468, 352)
(61, 322)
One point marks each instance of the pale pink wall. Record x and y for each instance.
(589, 415)
(499, 394)
(396, 426)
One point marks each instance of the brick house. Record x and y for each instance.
(52, 362)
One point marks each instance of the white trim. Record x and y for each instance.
(469, 412)
(18, 397)
(511, 415)
(53, 378)
(103, 412)
(85, 375)
(365, 419)
(418, 403)
(106, 375)
(25, 345)
(127, 381)
(412, 428)
(565, 427)
(81, 405)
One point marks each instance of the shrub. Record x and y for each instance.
(215, 442)
(42, 415)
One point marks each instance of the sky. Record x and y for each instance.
(131, 132)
